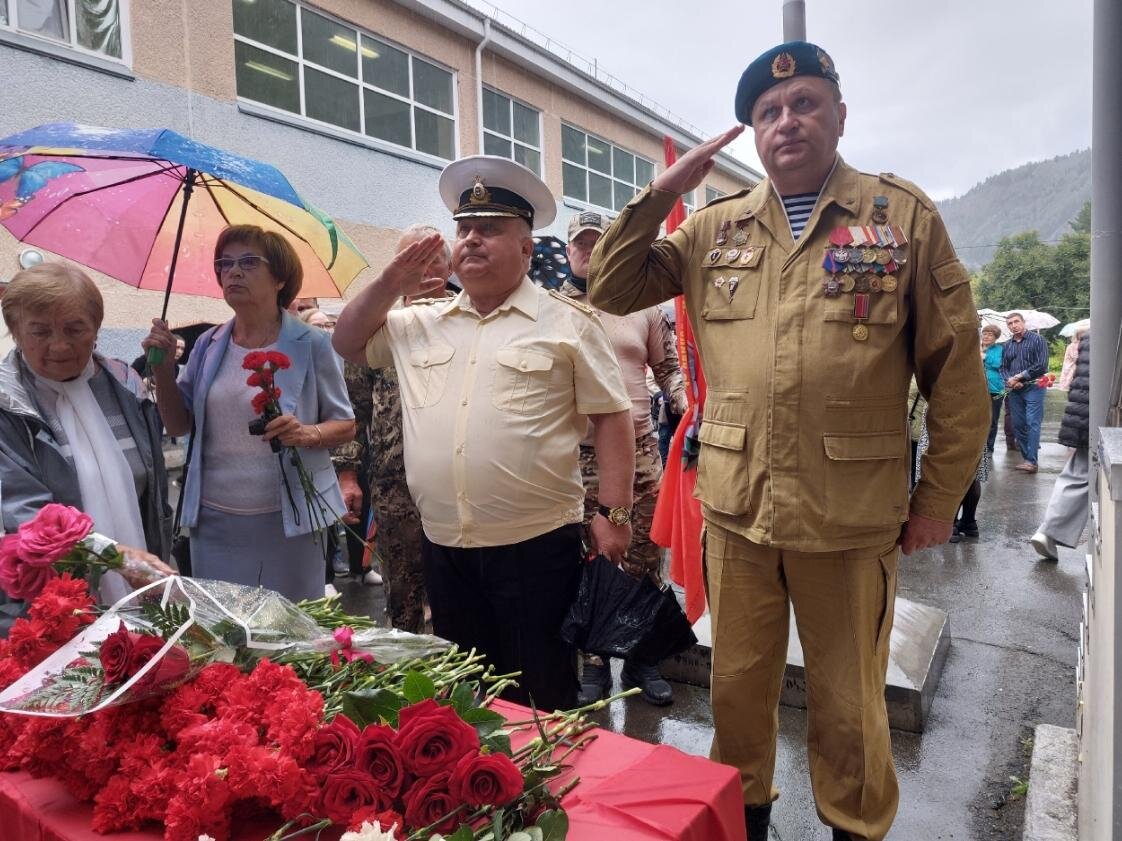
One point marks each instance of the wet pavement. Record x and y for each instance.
(1014, 624)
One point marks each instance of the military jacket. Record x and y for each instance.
(804, 441)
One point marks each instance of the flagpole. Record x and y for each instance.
(794, 20)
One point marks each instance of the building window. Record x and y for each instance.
(511, 130)
(687, 202)
(596, 172)
(293, 58)
(92, 27)
(712, 193)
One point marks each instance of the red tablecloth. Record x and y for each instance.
(629, 791)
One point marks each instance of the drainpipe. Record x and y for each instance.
(794, 20)
(479, 78)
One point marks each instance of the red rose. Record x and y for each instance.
(377, 755)
(347, 791)
(489, 779)
(278, 359)
(254, 359)
(53, 532)
(116, 654)
(172, 667)
(334, 746)
(429, 802)
(431, 737)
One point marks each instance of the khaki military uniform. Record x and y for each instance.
(803, 471)
(376, 453)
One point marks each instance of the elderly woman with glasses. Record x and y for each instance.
(77, 428)
(247, 512)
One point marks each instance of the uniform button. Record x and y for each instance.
(426, 360)
(463, 402)
(473, 360)
(460, 450)
(522, 366)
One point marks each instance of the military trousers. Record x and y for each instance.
(398, 544)
(843, 603)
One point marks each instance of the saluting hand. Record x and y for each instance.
(406, 271)
(690, 170)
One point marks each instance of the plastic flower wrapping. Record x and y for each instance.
(166, 632)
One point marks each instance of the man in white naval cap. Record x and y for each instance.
(497, 386)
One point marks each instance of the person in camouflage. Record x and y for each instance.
(377, 449)
(640, 340)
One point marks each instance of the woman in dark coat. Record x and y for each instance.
(1067, 509)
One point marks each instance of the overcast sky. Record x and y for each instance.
(942, 93)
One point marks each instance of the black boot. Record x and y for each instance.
(757, 819)
(842, 836)
(655, 688)
(956, 534)
(969, 528)
(595, 682)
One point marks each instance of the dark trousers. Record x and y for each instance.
(996, 402)
(508, 602)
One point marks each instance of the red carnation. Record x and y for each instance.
(278, 359)
(254, 360)
(116, 654)
(260, 402)
(431, 737)
(348, 790)
(429, 802)
(386, 818)
(53, 532)
(334, 746)
(378, 756)
(486, 779)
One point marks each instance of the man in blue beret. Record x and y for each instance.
(815, 298)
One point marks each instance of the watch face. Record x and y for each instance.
(619, 516)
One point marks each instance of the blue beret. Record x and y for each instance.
(795, 58)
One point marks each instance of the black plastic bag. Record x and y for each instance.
(615, 615)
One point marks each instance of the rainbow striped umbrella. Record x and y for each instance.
(146, 206)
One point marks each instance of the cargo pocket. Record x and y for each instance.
(866, 479)
(427, 375)
(722, 469)
(522, 379)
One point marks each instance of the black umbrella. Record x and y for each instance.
(549, 266)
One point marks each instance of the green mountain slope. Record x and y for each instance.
(1043, 196)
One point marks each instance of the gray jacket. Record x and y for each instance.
(33, 470)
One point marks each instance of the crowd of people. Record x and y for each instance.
(496, 436)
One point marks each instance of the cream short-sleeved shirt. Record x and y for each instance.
(494, 408)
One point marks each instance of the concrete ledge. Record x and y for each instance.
(1050, 809)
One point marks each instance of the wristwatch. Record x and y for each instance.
(616, 516)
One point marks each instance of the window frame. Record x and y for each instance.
(573, 201)
(712, 194)
(511, 100)
(71, 50)
(303, 120)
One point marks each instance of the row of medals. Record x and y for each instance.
(739, 238)
(863, 260)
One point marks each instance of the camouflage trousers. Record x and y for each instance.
(648, 476)
(398, 544)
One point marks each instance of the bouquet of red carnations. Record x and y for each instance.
(1047, 381)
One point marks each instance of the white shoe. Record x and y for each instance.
(330, 591)
(1044, 546)
(372, 578)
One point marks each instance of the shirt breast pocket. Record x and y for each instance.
(426, 375)
(522, 379)
(732, 283)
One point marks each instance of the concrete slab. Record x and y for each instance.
(918, 648)
(1050, 808)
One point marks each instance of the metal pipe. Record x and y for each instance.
(794, 20)
(1106, 206)
(479, 79)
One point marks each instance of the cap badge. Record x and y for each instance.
(782, 66)
(479, 193)
(826, 63)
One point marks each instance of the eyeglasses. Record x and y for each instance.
(247, 263)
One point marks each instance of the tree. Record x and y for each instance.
(1026, 272)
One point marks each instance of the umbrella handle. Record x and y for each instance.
(155, 356)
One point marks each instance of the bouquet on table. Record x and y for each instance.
(207, 707)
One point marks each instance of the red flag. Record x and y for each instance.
(677, 518)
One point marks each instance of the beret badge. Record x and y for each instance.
(783, 66)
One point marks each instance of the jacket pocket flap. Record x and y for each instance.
(730, 436)
(950, 274)
(523, 359)
(864, 446)
(423, 357)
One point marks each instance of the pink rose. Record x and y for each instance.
(53, 532)
(25, 581)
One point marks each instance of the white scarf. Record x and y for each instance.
(104, 477)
